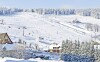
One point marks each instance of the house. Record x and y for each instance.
(14, 50)
(54, 47)
(10, 49)
(4, 38)
(96, 46)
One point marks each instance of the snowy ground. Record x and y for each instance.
(29, 60)
(51, 28)
(44, 30)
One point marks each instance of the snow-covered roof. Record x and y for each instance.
(53, 45)
(11, 46)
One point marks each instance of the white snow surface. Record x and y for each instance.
(8, 59)
(51, 28)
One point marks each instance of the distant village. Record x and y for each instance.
(8, 48)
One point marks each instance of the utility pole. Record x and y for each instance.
(23, 30)
(95, 35)
(2, 21)
(37, 40)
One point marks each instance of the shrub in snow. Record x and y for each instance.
(9, 26)
(76, 21)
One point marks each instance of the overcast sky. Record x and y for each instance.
(51, 3)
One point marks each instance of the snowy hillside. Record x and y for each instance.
(46, 29)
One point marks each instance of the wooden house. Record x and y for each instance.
(4, 38)
(54, 47)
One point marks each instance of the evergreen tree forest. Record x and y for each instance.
(78, 48)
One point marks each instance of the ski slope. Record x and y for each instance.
(51, 28)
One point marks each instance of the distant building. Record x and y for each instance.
(4, 38)
(54, 48)
(96, 46)
(14, 50)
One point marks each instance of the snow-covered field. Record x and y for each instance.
(7, 59)
(50, 28)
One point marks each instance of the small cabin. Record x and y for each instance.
(5, 39)
(54, 47)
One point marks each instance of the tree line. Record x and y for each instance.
(84, 12)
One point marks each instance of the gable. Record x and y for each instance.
(4, 38)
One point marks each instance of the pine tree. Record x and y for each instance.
(63, 48)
